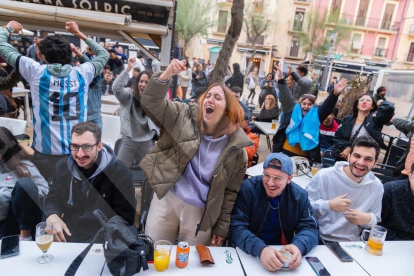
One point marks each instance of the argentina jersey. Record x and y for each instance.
(58, 103)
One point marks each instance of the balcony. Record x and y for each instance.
(365, 23)
(303, 2)
(380, 52)
(355, 49)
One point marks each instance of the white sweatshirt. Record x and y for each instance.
(332, 182)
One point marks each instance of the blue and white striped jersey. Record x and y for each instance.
(59, 103)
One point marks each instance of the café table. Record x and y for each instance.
(21, 92)
(110, 109)
(397, 258)
(110, 99)
(302, 180)
(63, 255)
(267, 130)
(392, 133)
(252, 265)
(223, 265)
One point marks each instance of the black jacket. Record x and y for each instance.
(373, 125)
(297, 220)
(117, 66)
(111, 191)
(267, 115)
(236, 80)
(201, 82)
(288, 102)
(406, 127)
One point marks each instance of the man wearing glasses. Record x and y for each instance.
(90, 178)
(272, 210)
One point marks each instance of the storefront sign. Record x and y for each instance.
(139, 12)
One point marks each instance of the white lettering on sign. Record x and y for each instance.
(82, 5)
(59, 3)
(107, 7)
(123, 9)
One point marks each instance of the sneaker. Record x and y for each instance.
(29, 238)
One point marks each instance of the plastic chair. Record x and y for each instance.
(111, 129)
(327, 159)
(384, 172)
(15, 126)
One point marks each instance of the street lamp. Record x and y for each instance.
(332, 38)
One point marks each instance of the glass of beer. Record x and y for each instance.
(376, 239)
(162, 252)
(274, 124)
(315, 168)
(44, 239)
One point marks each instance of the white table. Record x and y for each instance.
(111, 99)
(63, 255)
(302, 180)
(194, 268)
(21, 92)
(110, 109)
(267, 130)
(253, 266)
(397, 258)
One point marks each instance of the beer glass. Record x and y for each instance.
(44, 239)
(376, 239)
(162, 252)
(274, 123)
(315, 168)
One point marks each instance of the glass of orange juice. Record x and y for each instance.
(162, 252)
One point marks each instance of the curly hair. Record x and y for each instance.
(56, 49)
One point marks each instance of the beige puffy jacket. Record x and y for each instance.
(179, 143)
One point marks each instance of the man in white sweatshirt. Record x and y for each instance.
(348, 196)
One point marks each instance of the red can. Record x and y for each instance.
(182, 255)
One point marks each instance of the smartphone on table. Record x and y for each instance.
(339, 252)
(9, 246)
(317, 266)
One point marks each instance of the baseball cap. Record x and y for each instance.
(287, 165)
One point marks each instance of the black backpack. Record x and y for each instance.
(126, 249)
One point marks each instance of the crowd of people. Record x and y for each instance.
(194, 150)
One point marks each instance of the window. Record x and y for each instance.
(356, 45)
(294, 48)
(259, 40)
(380, 51)
(386, 19)
(410, 56)
(222, 21)
(362, 13)
(336, 6)
(299, 18)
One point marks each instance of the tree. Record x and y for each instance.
(233, 33)
(193, 19)
(358, 84)
(256, 21)
(315, 40)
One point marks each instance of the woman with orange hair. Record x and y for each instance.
(197, 166)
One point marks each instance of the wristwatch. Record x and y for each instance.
(9, 29)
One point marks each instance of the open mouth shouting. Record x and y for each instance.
(209, 111)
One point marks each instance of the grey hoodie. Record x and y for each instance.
(332, 182)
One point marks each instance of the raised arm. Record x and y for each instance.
(329, 104)
(285, 96)
(403, 125)
(11, 80)
(7, 52)
(102, 55)
(118, 87)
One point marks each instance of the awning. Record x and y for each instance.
(248, 50)
(215, 50)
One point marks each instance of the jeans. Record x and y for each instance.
(97, 121)
(24, 212)
(131, 150)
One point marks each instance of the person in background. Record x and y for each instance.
(185, 78)
(303, 82)
(332, 84)
(120, 53)
(403, 164)
(380, 95)
(137, 129)
(199, 78)
(196, 187)
(298, 133)
(347, 197)
(94, 92)
(155, 64)
(254, 79)
(268, 87)
(90, 178)
(237, 92)
(133, 80)
(31, 51)
(116, 64)
(193, 62)
(237, 79)
(327, 130)
(8, 106)
(106, 84)
(269, 110)
(22, 189)
(398, 208)
(10, 81)
(252, 149)
(273, 210)
(367, 119)
(194, 99)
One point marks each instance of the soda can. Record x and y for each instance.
(182, 255)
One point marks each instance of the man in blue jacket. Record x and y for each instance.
(272, 210)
